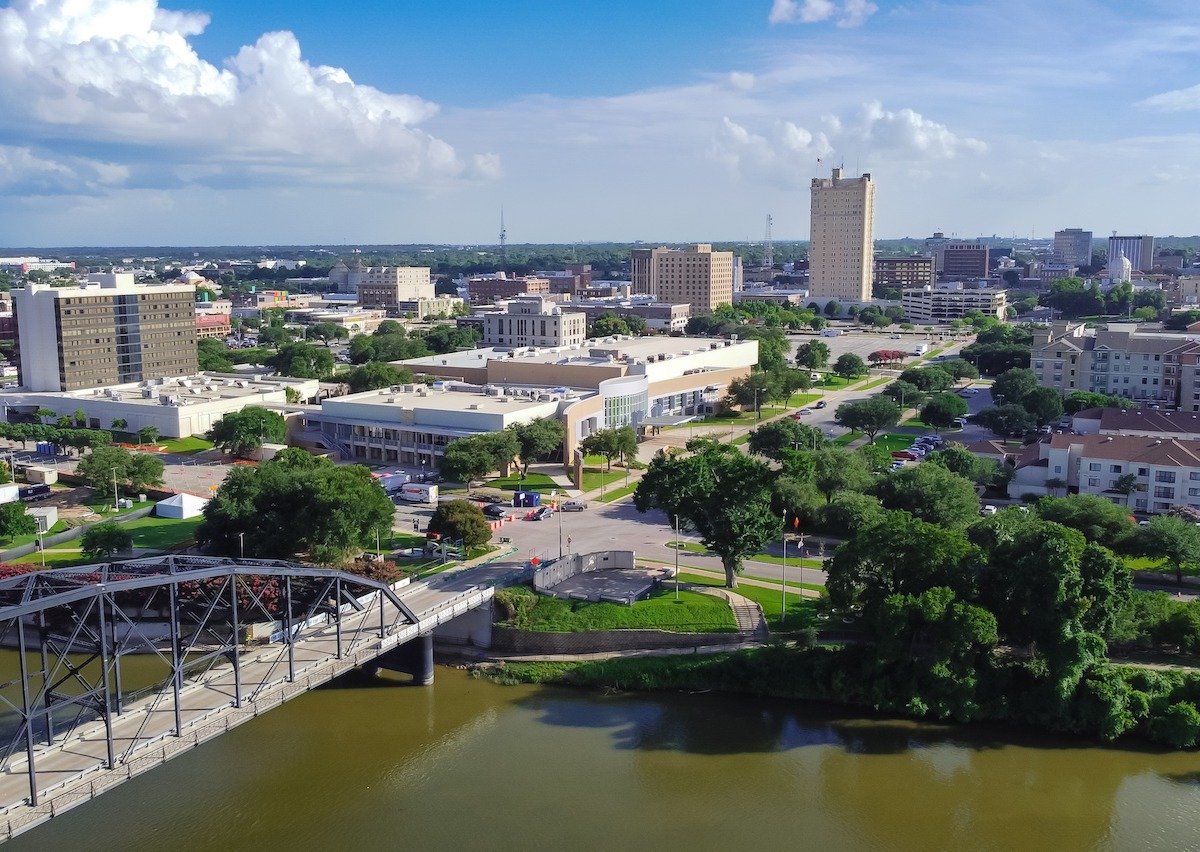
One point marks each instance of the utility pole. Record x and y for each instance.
(768, 247)
(116, 504)
(676, 557)
(503, 242)
(783, 576)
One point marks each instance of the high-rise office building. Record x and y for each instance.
(842, 237)
(893, 272)
(108, 332)
(388, 286)
(934, 246)
(1139, 250)
(699, 276)
(1073, 246)
(963, 261)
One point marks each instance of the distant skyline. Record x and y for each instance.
(126, 122)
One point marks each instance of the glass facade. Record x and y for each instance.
(624, 410)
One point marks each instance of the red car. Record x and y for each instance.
(905, 455)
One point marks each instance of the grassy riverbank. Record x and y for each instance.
(1109, 702)
(692, 613)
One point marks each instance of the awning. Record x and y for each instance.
(668, 420)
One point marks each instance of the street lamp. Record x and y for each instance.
(42, 547)
(116, 504)
(783, 577)
(676, 557)
(241, 545)
(757, 409)
(560, 549)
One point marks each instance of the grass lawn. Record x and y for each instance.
(104, 508)
(593, 478)
(800, 611)
(538, 482)
(694, 547)
(886, 380)
(618, 493)
(185, 446)
(162, 533)
(30, 538)
(1147, 563)
(58, 557)
(692, 613)
(918, 423)
(848, 438)
(893, 442)
(741, 439)
(831, 381)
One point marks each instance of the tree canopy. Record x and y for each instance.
(456, 520)
(870, 416)
(931, 493)
(133, 470)
(241, 432)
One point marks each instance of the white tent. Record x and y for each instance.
(180, 506)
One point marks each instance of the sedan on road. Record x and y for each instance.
(541, 513)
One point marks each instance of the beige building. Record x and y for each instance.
(697, 275)
(387, 286)
(110, 333)
(534, 321)
(842, 238)
(1117, 360)
(947, 302)
(900, 272)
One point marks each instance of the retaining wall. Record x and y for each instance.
(509, 640)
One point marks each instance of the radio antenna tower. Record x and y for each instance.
(768, 247)
(503, 242)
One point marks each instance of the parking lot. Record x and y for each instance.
(863, 343)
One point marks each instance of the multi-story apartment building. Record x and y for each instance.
(113, 332)
(534, 321)
(1053, 271)
(576, 278)
(962, 261)
(697, 275)
(901, 272)
(386, 287)
(659, 316)
(1117, 360)
(842, 238)
(1073, 246)
(946, 302)
(1139, 250)
(1166, 470)
(486, 289)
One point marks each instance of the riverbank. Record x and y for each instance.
(1108, 702)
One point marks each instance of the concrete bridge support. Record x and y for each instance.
(412, 658)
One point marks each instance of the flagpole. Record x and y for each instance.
(783, 579)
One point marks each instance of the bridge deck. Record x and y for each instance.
(74, 771)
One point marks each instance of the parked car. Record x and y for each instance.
(492, 499)
(820, 404)
(988, 510)
(541, 513)
(897, 465)
(803, 411)
(495, 511)
(905, 455)
(573, 506)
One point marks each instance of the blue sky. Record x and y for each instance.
(131, 122)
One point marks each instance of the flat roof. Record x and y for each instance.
(455, 396)
(199, 388)
(598, 351)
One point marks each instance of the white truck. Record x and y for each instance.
(831, 332)
(921, 349)
(419, 492)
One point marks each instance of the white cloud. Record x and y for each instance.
(123, 71)
(25, 172)
(741, 80)
(805, 11)
(853, 12)
(911, 135)
(1177, 100)
(856, 12)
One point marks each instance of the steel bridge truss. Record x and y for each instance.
(71, 627)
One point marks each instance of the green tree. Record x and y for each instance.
(466, 460)
(869, 416)
(899, 554)
(213, 356)
(15, 521)
(103, 540)
(928, 379)
(1012, 420)
(133, 470)
(904, 393)
(721, 493)
(608, 324)
(620, 442)
(376, 374)
(771, 439)
(832, 309)
(1012, 386)
(241, 432)
(147, 435)
(296, 504)
(959, 369)
(1126, 484)
(1045, 405)
(539, 439)
(812, 355)
(1106, 591)
(1099, 520)
(43, 413)
(848, 366)
(942, 409)
(1173, 539)
(326, 332)
(958, 459)
(302, 361)
(120, 424)
(836, 469)
(931, 493)
(461, 519)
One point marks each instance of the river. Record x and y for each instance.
(470, 765)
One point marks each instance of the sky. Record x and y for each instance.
(135, 122)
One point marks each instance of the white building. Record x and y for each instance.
(945, 302)
(534, 321)
(1139, 250)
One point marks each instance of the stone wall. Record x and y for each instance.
(508, 640)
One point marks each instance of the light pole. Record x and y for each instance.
(676, 557)
(116, 505)
(783, 578)
(42, 547)
(560, 550)
(757, 408)
(241, 545)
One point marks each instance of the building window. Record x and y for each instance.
(1143, 471)
(1164, 476)
(1094, 466)
(1114, 468)
(1164, 491)
(1093, 481)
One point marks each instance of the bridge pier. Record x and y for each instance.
(412, 658)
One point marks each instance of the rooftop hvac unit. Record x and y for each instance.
(147, 393)
(501, 399)
(391, 399)
(474, 406)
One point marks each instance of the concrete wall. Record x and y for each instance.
(508, 640)
(573, 564)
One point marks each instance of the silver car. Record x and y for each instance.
(573, 506)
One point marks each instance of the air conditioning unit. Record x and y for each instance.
(474, 406)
